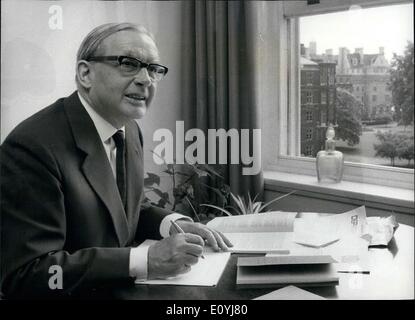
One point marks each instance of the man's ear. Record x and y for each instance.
(83, 73)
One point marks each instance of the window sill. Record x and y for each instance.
(376, 196)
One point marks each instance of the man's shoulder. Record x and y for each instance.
(45, 124)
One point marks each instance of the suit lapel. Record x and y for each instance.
(134, 165)
(96, 167)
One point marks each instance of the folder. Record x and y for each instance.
(280, 271)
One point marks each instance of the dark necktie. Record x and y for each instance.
(121, 175)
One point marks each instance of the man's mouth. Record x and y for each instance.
(136, 97)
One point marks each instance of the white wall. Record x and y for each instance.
(38, 63)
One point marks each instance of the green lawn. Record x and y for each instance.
(364, 151)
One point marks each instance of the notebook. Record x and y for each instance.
(206, 272)
(280, 271)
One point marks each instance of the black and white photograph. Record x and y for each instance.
(207, 154)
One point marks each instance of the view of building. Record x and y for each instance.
(318, 103)
(364, 75)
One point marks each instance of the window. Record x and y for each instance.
(331, 99)
(323, 117)
(309, 116)
(318, 28)
(309, 134)
(323, 97)
(309, 97)
(299, 27)
(323, 76)
(309, 78)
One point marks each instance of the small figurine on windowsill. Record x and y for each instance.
(329, 162)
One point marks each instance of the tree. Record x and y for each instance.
(401, 84)
(348, 116)
(406, 149)
(388, 145)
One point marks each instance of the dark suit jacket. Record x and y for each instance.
(60, 204)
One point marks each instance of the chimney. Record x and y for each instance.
(329, 55)
(307, 53)
(360, 52)
(381, 51)
(313, 48)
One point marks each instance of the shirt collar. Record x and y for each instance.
(104, 128)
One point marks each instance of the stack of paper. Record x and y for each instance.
(257, 233)
(277, 271)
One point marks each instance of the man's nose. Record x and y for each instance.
(142, 78)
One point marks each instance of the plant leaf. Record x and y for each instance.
(209, 169)
(276, 199)
(256, 207)
(191, 206)
(162, 195)
(151, 179)
(218, 208)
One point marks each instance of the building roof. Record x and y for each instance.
(304, 61)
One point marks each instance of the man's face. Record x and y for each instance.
(115, 96)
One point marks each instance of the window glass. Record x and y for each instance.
(365, 88)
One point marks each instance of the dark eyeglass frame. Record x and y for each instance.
(119, 59)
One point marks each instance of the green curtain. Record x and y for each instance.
(220, 80)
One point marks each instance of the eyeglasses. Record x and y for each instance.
(131, 66)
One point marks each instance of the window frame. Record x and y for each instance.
(288, 152)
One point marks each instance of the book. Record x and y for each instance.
(280, 271)
(269, 232)
(205, 273)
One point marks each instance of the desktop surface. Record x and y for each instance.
(391, 277)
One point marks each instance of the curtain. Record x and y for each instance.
(220, 78)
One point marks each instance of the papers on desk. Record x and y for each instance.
(338, 235)
(322, 231)
(257, 233)
(290, 293)
(206, 272)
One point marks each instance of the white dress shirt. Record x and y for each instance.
(138, 255)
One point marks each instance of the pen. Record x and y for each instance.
(361, 272)
(180, 230)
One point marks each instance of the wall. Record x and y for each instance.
(38, 63)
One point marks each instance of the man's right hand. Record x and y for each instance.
(174, 255)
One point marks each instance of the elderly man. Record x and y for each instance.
(72, 181)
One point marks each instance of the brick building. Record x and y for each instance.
(318, 103)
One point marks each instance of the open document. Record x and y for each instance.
(257, 233)
(338, 235)
(206, 272)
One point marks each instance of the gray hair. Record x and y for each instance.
(93, 40)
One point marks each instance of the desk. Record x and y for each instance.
(391, 277)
